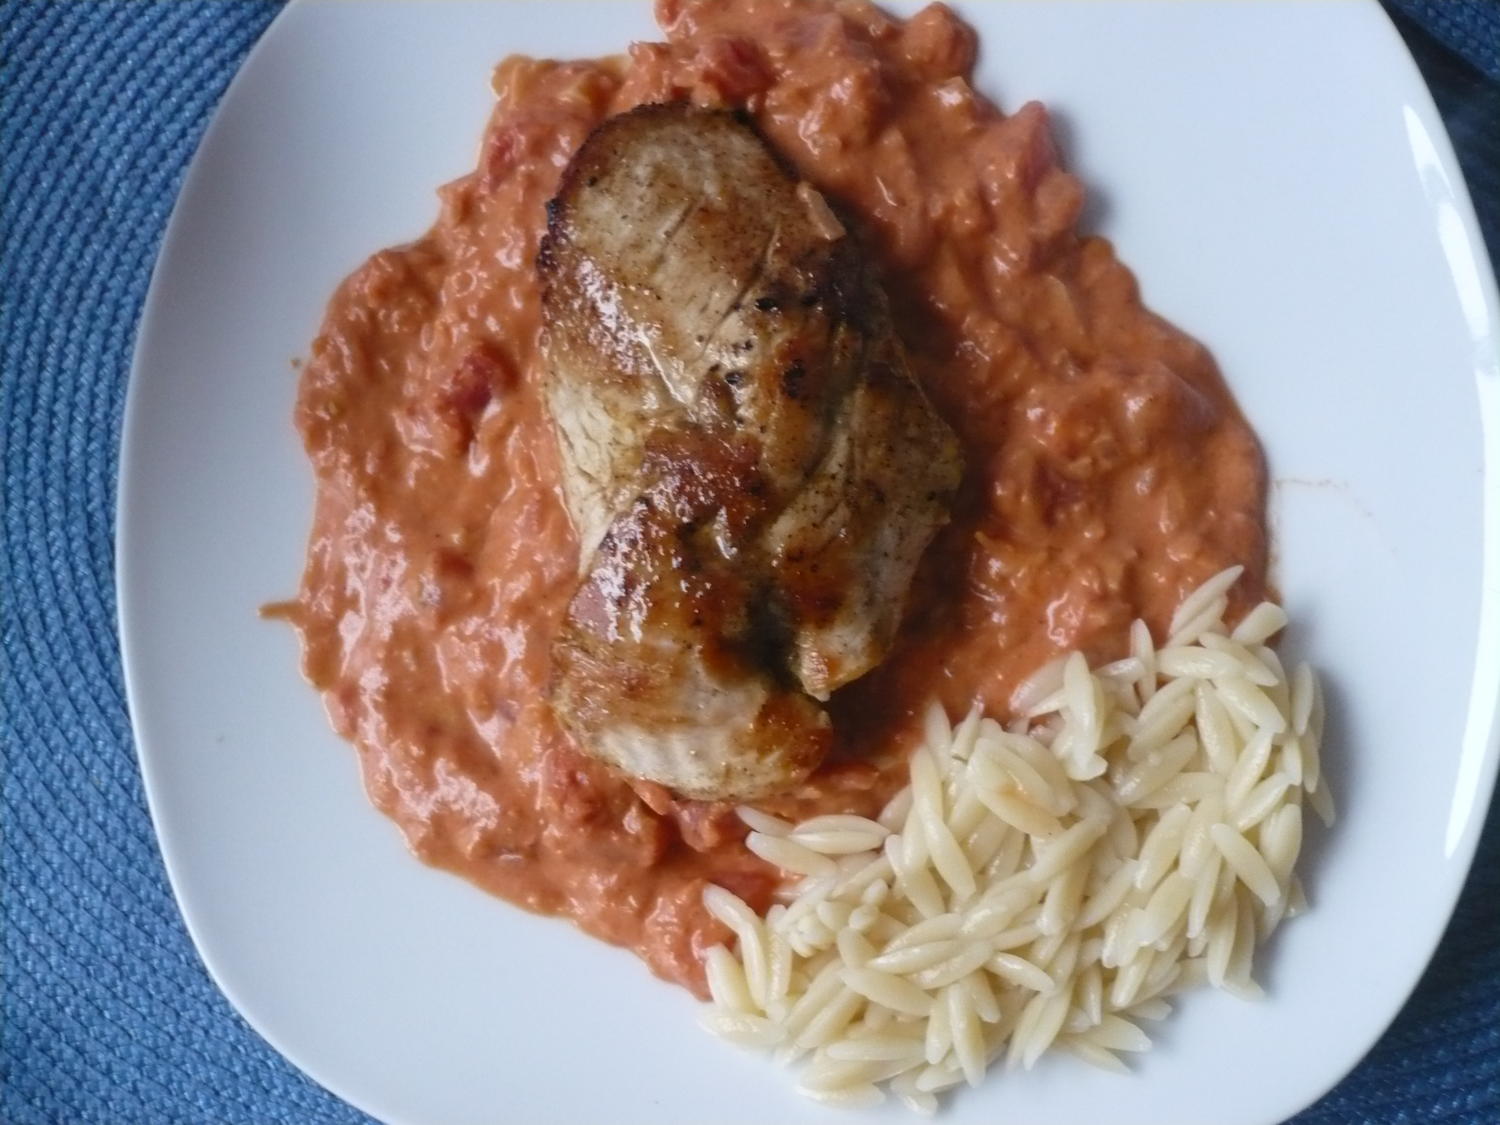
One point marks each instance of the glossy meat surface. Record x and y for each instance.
(751, 469)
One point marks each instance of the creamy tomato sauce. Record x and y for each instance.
(1108, 469)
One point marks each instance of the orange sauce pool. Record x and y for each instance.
(1108, 469)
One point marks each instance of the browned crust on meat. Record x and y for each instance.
(752, 469)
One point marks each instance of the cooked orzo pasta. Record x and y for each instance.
(1048, 883)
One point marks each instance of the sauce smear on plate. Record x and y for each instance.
(1109, 471)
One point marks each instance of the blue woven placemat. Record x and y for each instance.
(106, 1014)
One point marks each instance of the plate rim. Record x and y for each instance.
(1479, 757)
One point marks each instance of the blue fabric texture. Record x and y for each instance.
(1469, 28)
(106, 1014)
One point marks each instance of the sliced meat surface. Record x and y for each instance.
(751, 468)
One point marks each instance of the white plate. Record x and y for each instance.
(1278, 178)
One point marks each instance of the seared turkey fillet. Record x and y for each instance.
(751, 469)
